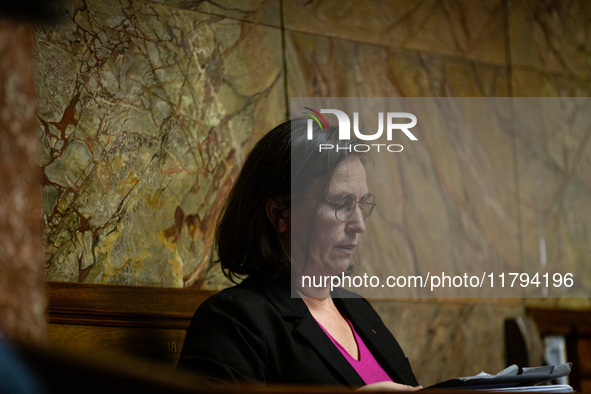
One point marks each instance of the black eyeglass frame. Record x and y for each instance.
(362, 201)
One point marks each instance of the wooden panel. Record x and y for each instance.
(584, 349)
(556, 321)
(161, 345)
(89, 304)
(575, 325)
(142, 328)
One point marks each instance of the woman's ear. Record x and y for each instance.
(277, 219)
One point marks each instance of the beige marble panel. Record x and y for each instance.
(146, 111)
(448, 202)
(451, 200)
(551, 36)
(332, 67)
(554, 176)
(472, 30)
(445, 340)
(554, 192)
(266, 12)
(534, 83)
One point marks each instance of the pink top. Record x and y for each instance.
(367, 367)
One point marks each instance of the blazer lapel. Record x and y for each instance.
(376, 337)
(313, 333)
(309, 329)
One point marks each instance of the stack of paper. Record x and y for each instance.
(513, 379)
(551, 388)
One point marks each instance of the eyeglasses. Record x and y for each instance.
(345, 206)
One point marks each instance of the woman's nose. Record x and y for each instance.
(356, 222)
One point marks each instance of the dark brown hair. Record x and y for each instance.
(281, 166)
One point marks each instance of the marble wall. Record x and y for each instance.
(146, 111)
(147, 108)
(551, 54)
(449, 338)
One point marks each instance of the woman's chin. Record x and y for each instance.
(340, 265)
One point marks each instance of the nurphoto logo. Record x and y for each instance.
(345, 129)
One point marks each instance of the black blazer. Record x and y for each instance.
(258, 332)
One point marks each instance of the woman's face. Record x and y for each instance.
(329, 245)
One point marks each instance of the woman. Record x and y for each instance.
(294, 212)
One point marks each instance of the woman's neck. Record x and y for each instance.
(319, 305)
(309, 291)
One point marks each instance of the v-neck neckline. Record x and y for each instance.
(339, 345)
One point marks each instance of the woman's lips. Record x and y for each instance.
(347, 248)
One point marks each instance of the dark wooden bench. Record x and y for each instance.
(142, 323)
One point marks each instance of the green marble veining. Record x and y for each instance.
(146, 112)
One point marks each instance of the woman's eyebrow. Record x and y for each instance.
(338, 195)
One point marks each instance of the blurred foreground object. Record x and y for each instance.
(15, 376)
(22, 301)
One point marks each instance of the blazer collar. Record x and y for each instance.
(290, 305)
(285, 298)
(367, 323)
